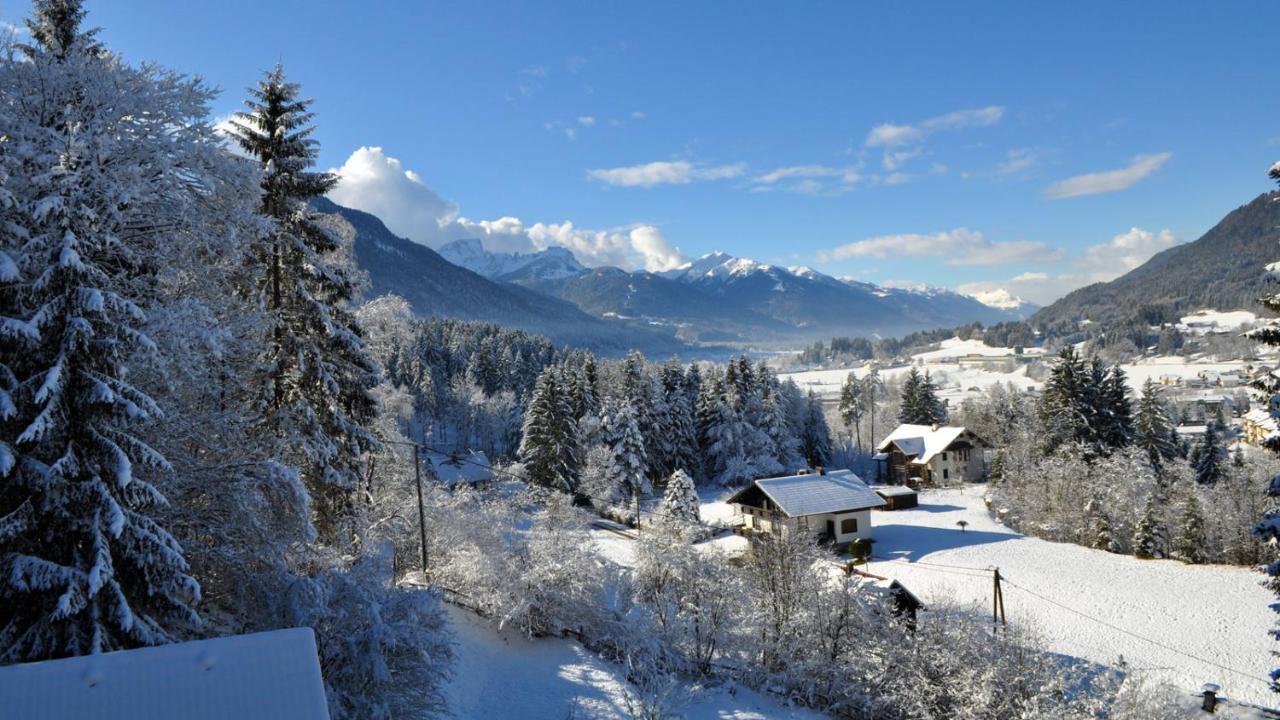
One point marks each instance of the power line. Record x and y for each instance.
(1132, 634)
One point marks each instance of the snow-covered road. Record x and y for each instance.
(1086, 602)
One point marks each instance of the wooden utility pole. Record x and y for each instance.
(997, 599)
(422, 512)
(636, 495)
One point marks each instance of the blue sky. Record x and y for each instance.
(1026, 146)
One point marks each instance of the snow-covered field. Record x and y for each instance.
(1087, 603)
(1205, 321)
(502, 675)
(955, 382)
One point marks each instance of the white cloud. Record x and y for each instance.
(890, 135)
(961, 246)
(1108, 181)
(897, 178)
(571, 133)
(637, 115)
(674, 172)
(378, 183)
(894, 160)
(1125, 252)
(810, 179)
(586, 120)
(1099, 263)
(1018, 160)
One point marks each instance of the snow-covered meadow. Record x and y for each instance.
(1087, 603)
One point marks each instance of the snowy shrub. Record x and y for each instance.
(384, 650)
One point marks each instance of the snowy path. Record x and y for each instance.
(503, 675)
(1215, 612)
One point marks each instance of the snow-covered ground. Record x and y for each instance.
(1204, 321)
(1087, 603)
(955, 348)
(955, 382)
(502, 675)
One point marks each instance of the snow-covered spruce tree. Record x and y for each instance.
(872, 389)
(1152, 429)
(101, 162)
(680, 501)
(853, 407)
(1191, 532)
(1149, 538)
(317, 376)
(910, 410)
(548, 443)
(816, 441)
(627, 464)
(1211, 457)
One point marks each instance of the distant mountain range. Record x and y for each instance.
(720, 298)
(435, 286)
(1222, 270)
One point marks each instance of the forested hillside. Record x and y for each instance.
(1222, 270)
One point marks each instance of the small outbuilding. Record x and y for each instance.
(897, 497)
(831, 506)
(470, 467)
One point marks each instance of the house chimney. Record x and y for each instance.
(1210, 695)
(934, 427)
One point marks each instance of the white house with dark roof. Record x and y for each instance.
(932, 455)
(833, 506)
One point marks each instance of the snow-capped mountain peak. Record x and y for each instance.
(999, 298)
(547, 264)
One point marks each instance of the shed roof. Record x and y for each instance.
(893, 490)
(922, 441)
(799, 495)
(264, 676)
(462, 468)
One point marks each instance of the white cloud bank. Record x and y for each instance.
(960, 247)
(1099, 263)
(1108, 181)
(890, 135)
(662, 172)
(377, 183)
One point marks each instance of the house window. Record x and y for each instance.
(945, 473)
(848, 526)
(944, 457)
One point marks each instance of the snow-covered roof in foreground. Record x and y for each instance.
(264, 676)
(461, 468)
(814, 494)
(893, 490)
(922, 441)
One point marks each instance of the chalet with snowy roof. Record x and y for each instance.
(263, 676)
(831, 506)
(918, 455)
(469, 467)
(1257, 425)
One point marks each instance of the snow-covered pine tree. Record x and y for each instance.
(101, 163)
(1211, 457)
(1116, 427)
(317, 375)
(638, 390)
(680, 502)
(852, 407)
(628, 464)
(680, 420)
(872, 389)
(1191, 532)
(910, 409)
(548, 445)
(1152, 429)
(815, 443)
(1149, 538)
(1267, 529)
(931, 402)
